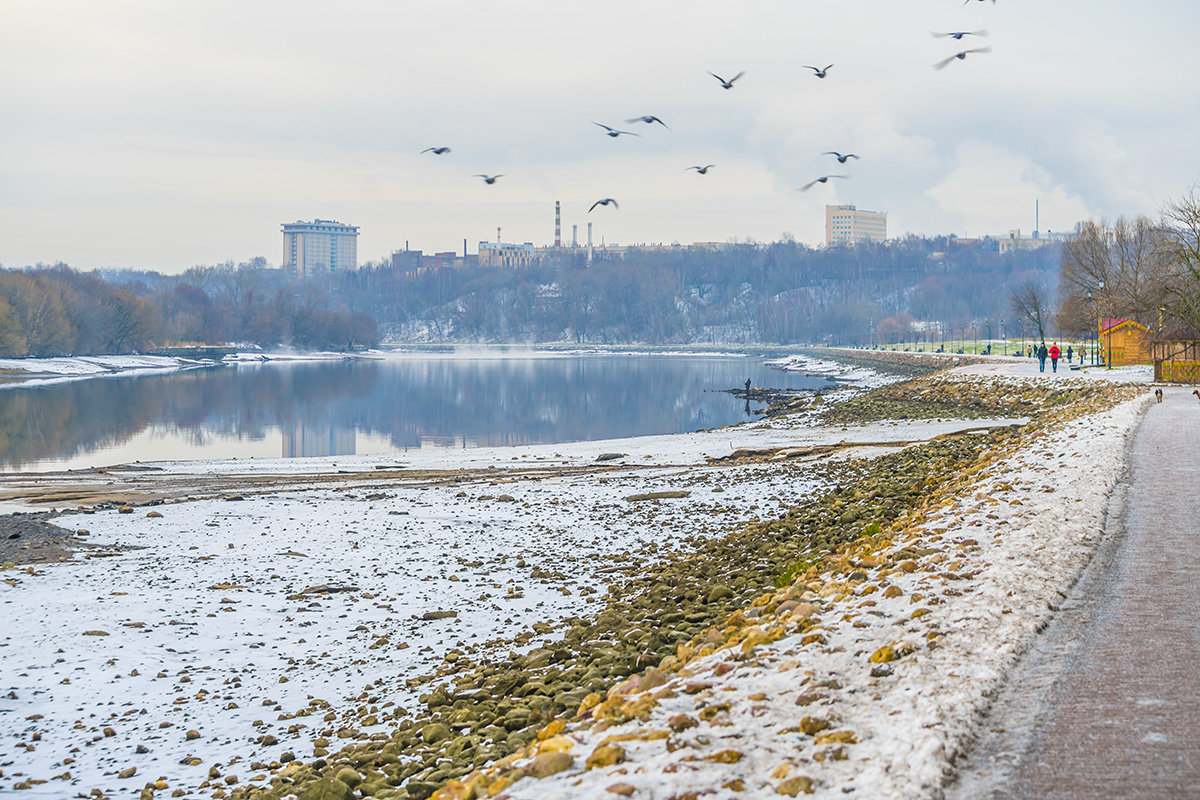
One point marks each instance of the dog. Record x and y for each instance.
(1158, 395)
(1197, 393)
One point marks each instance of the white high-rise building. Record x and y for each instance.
(320, 246)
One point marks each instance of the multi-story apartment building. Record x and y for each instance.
(320, 246)
(846, 224)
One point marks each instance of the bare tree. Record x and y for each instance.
(1181, 247)
(1123, 267)
(1029, 302)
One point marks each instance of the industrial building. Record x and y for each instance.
(846, 224)
(319, 247)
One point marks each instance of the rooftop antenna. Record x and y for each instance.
(574, 236)
(1036, 218)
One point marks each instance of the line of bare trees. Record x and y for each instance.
(1143, 269)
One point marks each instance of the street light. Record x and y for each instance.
(1107, 361)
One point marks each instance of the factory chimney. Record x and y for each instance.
(574, 236)
(557, 225)
(497, 234)
(589, 256)
(1036, 218)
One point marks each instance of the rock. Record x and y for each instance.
(718, 593)
(95, 633)
(892, 591)
(128, 772)
(329, 788)
(435, 732)
(725, 757)
(609, 456)
(813, 725)
(429, 615)
(606, 755)
(547, 764)
(837, 737)
(623, 789)
(349, 776)
(125, 510)
(192, 734)
(153, 515)
(794, 786)
(883, 655)
(681, 722)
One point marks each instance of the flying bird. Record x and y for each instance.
(608, 201)
(488, 179)
(702, 170)
(961, 56)
(613, 132)
(957, 35)
(965, 2)
(649, 118)
(840, 157)
(822, 179)
(437, 151)
(727, 84)
(820, 72)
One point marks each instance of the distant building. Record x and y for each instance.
(317, 247)
(846, 224)
(499, 254)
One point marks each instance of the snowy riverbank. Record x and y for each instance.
(242, 632)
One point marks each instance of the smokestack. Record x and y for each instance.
(589, 242)
(574, 236)
(497, 234)
(1036, 218)
(464, 248)
(557, 225)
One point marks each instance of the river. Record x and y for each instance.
(369, 406)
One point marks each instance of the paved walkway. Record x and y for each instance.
(1116, 712)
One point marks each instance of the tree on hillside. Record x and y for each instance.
(1029, 303)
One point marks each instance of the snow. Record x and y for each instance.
(1035, 518)
(207, 604)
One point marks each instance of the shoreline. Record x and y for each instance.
(660, 475)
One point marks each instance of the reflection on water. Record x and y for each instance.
(344, 407)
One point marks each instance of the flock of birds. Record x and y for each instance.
(818, 72)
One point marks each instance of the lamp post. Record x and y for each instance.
(1107, 361)
(1003, 338)
(1092, 307)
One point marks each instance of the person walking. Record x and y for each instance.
(1042, 352)
(1070, 350)
(1055, 353)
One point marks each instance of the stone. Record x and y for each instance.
(681, 722)
(718, 593)
(725, 757)
(623, 789)
(329, 788)
(349, 776)
(128, 772)
(837, 737)
(606, 755)
(435, 732)
(192, 734)
(547, 764)
(794, 786)
(892, 591)
(883, 655)
(813, 725)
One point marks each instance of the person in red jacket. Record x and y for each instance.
(1054, 355)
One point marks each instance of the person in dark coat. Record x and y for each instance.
(1042, 353)
(1055, 353)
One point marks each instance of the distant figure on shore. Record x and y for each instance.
(1042, 352)
(1069, 351)
(1055, 353)
(1082, 352)
(747, 387)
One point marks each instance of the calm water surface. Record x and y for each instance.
(371, 406)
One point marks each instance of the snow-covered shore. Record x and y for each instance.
(251, 622)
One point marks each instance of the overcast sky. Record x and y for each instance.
(159, 134)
